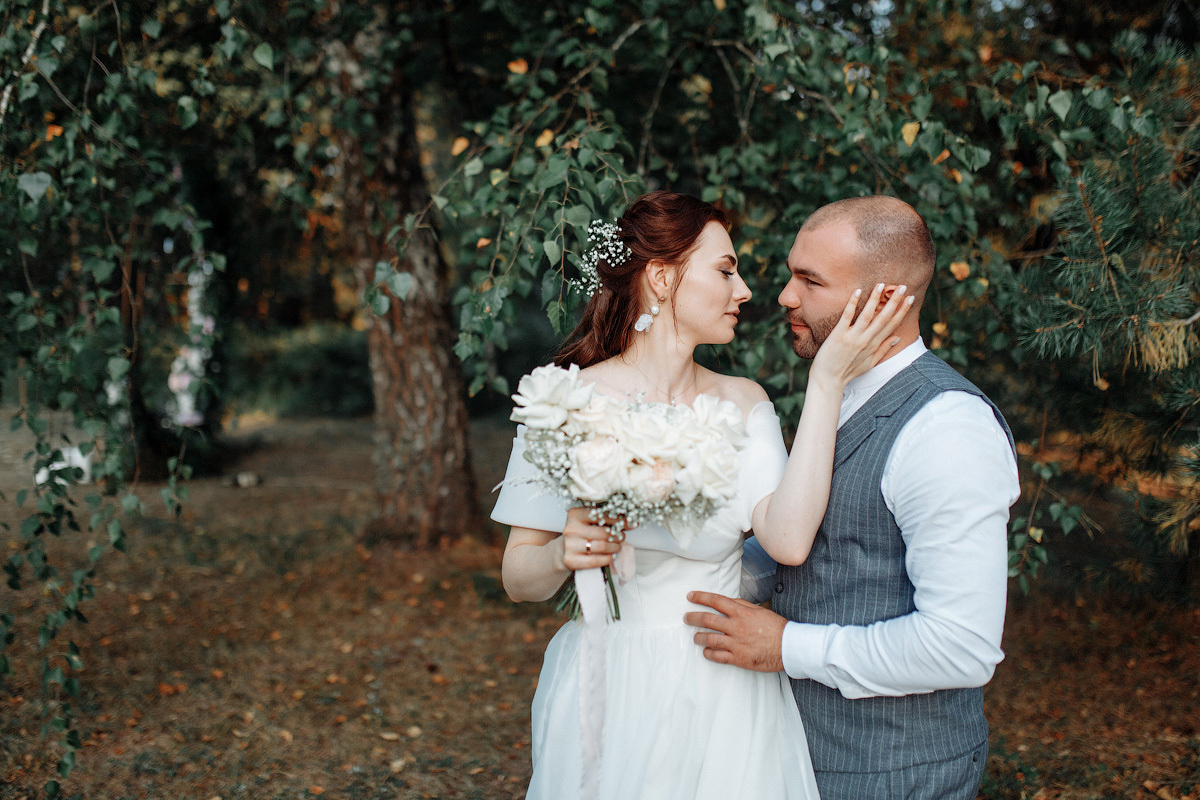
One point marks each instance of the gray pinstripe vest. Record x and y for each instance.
(855, 575)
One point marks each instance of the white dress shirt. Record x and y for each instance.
(949, 481)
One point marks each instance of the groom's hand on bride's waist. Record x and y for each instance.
(740, 633)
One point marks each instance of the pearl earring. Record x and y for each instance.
(646, 320)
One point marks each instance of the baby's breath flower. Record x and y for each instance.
(605, 241)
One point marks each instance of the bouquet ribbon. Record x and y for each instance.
(589, 584)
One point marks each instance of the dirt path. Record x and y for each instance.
(251, 650)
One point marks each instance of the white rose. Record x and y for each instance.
(543, 394)
(650, 434)
(720, 417)
(652, 483)
(689, 481)
(718, 468)
(598, 469)
(591, 418)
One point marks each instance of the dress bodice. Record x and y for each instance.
(666, 570)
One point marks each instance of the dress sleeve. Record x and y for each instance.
(762, 459)
(522, 502)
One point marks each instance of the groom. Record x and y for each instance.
(893, 623)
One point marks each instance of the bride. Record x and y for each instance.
(675, 724)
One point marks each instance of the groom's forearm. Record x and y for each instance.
(951, 504)
(914, 654)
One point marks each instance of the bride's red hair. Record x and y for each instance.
(659, 225)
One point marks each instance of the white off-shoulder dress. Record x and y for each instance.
(675, 725)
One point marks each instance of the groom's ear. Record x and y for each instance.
(887, 293)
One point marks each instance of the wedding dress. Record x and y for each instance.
(676, 725)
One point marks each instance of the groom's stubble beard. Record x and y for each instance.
(807, 343)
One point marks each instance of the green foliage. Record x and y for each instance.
(773, 113)
(1107, 318)
(318, 370)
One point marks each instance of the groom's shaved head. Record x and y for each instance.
(893, 240)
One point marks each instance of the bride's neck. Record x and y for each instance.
(662, 365)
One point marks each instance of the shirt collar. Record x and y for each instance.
(884, 371)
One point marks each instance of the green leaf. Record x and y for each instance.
(1060, 103)
(401, 284)
(265, 55)
(553, 250)
(34, 184)
(188, 115)
(118, 368)
(473, 167)
(28, 246)
(777, 49)
(152, 28)
(578, 216)
(921, 105)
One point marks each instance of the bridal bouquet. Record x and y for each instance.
(635, 461)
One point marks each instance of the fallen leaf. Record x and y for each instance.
(166, 689)
(475, 771)
(397, 765)
(413, 732)
(985, 53)
(316, 790)
(218, 673)
(960, 270)
(518, 66)
(460, 144)
(275, 636)
(390, 736)
(909, 131)
(546, 137)
(347, 647)
(286, 736)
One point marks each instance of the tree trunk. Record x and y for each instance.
(424, 479)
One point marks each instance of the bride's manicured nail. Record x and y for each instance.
(902, 288)
(910, 299)
(879, 287)
(857, 292)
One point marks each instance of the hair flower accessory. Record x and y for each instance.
(605, 243)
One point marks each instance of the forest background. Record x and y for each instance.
(222, 216)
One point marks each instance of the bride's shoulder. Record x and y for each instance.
(743, 392)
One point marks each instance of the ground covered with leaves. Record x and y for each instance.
(251, 649)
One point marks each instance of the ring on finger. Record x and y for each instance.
(587, 548)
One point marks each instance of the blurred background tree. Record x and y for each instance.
(343, 207)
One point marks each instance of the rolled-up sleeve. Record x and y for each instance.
(949, 482)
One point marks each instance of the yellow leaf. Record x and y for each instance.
(942, 156)
(518, 66)
(940, 328)
(956, 175)
(720, 4)
(960, 270)
(52, 131)
(910, 131)
(460, 144)
(389, 736)
(1102, 384)
(545, 138)
(1036, 533)
(482, 243)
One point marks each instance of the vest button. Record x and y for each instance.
(779, 587)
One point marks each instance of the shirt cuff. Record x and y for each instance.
(805, 649)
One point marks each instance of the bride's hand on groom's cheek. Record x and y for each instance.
(741, 633)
